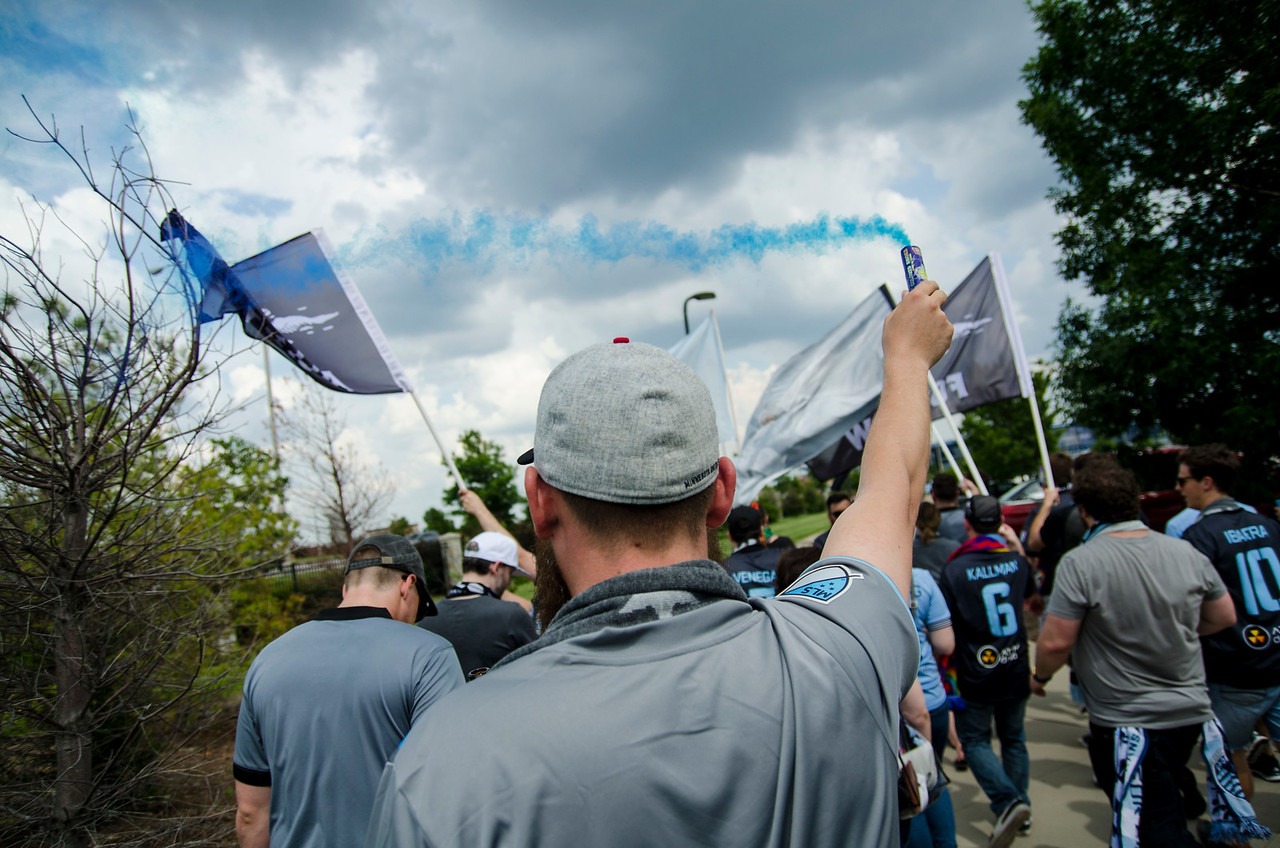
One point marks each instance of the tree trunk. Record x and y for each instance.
(72, 741)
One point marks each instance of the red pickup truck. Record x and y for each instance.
(1155, 468)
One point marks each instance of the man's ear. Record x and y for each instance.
(543, 506)
(722, 497)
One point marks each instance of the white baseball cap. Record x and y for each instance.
(495, 547)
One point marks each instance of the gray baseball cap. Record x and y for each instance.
(626, 423)
(396, 552)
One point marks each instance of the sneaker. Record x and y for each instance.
(1258, 746)
(961, 764)
(1025, 830)
(1265, 767)
(1084, 740)
(1008, 824)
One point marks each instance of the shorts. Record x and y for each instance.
(1240, 709)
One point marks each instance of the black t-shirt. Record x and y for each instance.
(1245, 550)
(1062, 530)
(481, 629)
(985, 590)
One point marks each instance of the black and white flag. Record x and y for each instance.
(292, 298)
(981, 366)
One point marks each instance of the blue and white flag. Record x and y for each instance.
(815, 397)
(292, 298)
(702, 351)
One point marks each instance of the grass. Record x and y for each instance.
(801, 528)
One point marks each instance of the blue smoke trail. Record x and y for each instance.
(484, 237)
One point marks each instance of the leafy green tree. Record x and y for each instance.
(794, 494)
(1001, 435)
(1163, 117)
(400, 526)
(240, 497)
(438, 520)
(489, 475)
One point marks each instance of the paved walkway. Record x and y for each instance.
(1069, 810)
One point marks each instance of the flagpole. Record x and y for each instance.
(1020, 362)
(271, 404)
(733, 415)
(946, 451)
(946, 413)
(448, 460)
(960, 442)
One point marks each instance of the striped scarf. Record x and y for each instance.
(1232, 816)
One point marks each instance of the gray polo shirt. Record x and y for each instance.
(324, 707)
(1138, 603)
(760, 722)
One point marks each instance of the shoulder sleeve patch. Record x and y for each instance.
(823, 584)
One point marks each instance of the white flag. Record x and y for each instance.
(815, 397)
(701, 351)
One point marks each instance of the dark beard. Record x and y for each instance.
(550, 592)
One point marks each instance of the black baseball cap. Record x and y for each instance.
(983, 513)
(388, 550)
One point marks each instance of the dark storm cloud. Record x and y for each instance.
(532, 105)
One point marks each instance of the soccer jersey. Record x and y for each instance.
(985, 584)
(1245, 550)
(754, 567)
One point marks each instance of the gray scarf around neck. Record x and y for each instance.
(637, 597)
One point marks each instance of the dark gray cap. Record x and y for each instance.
(388, 550)
(626, 423)
(983, 513)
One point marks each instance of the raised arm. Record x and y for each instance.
(879, 526)
(473, 504)
(1035, 542)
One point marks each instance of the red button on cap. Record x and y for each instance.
(622, 340)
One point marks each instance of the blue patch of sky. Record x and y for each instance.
(250, 203)
(32, 45)
(483, 237)
(925, 186)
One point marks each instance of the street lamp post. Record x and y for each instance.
(698, 296)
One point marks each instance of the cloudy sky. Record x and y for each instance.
(428, 139)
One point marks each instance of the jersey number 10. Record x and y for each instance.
(1259, 596)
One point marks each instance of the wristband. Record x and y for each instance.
(1038, 679)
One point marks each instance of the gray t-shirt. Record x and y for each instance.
(951, 523)
(932, 557)
(760, 722)
(324, 707)
(1138, 600)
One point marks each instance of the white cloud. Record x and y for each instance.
(378, 120)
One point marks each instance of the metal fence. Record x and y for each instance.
(295, 575)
